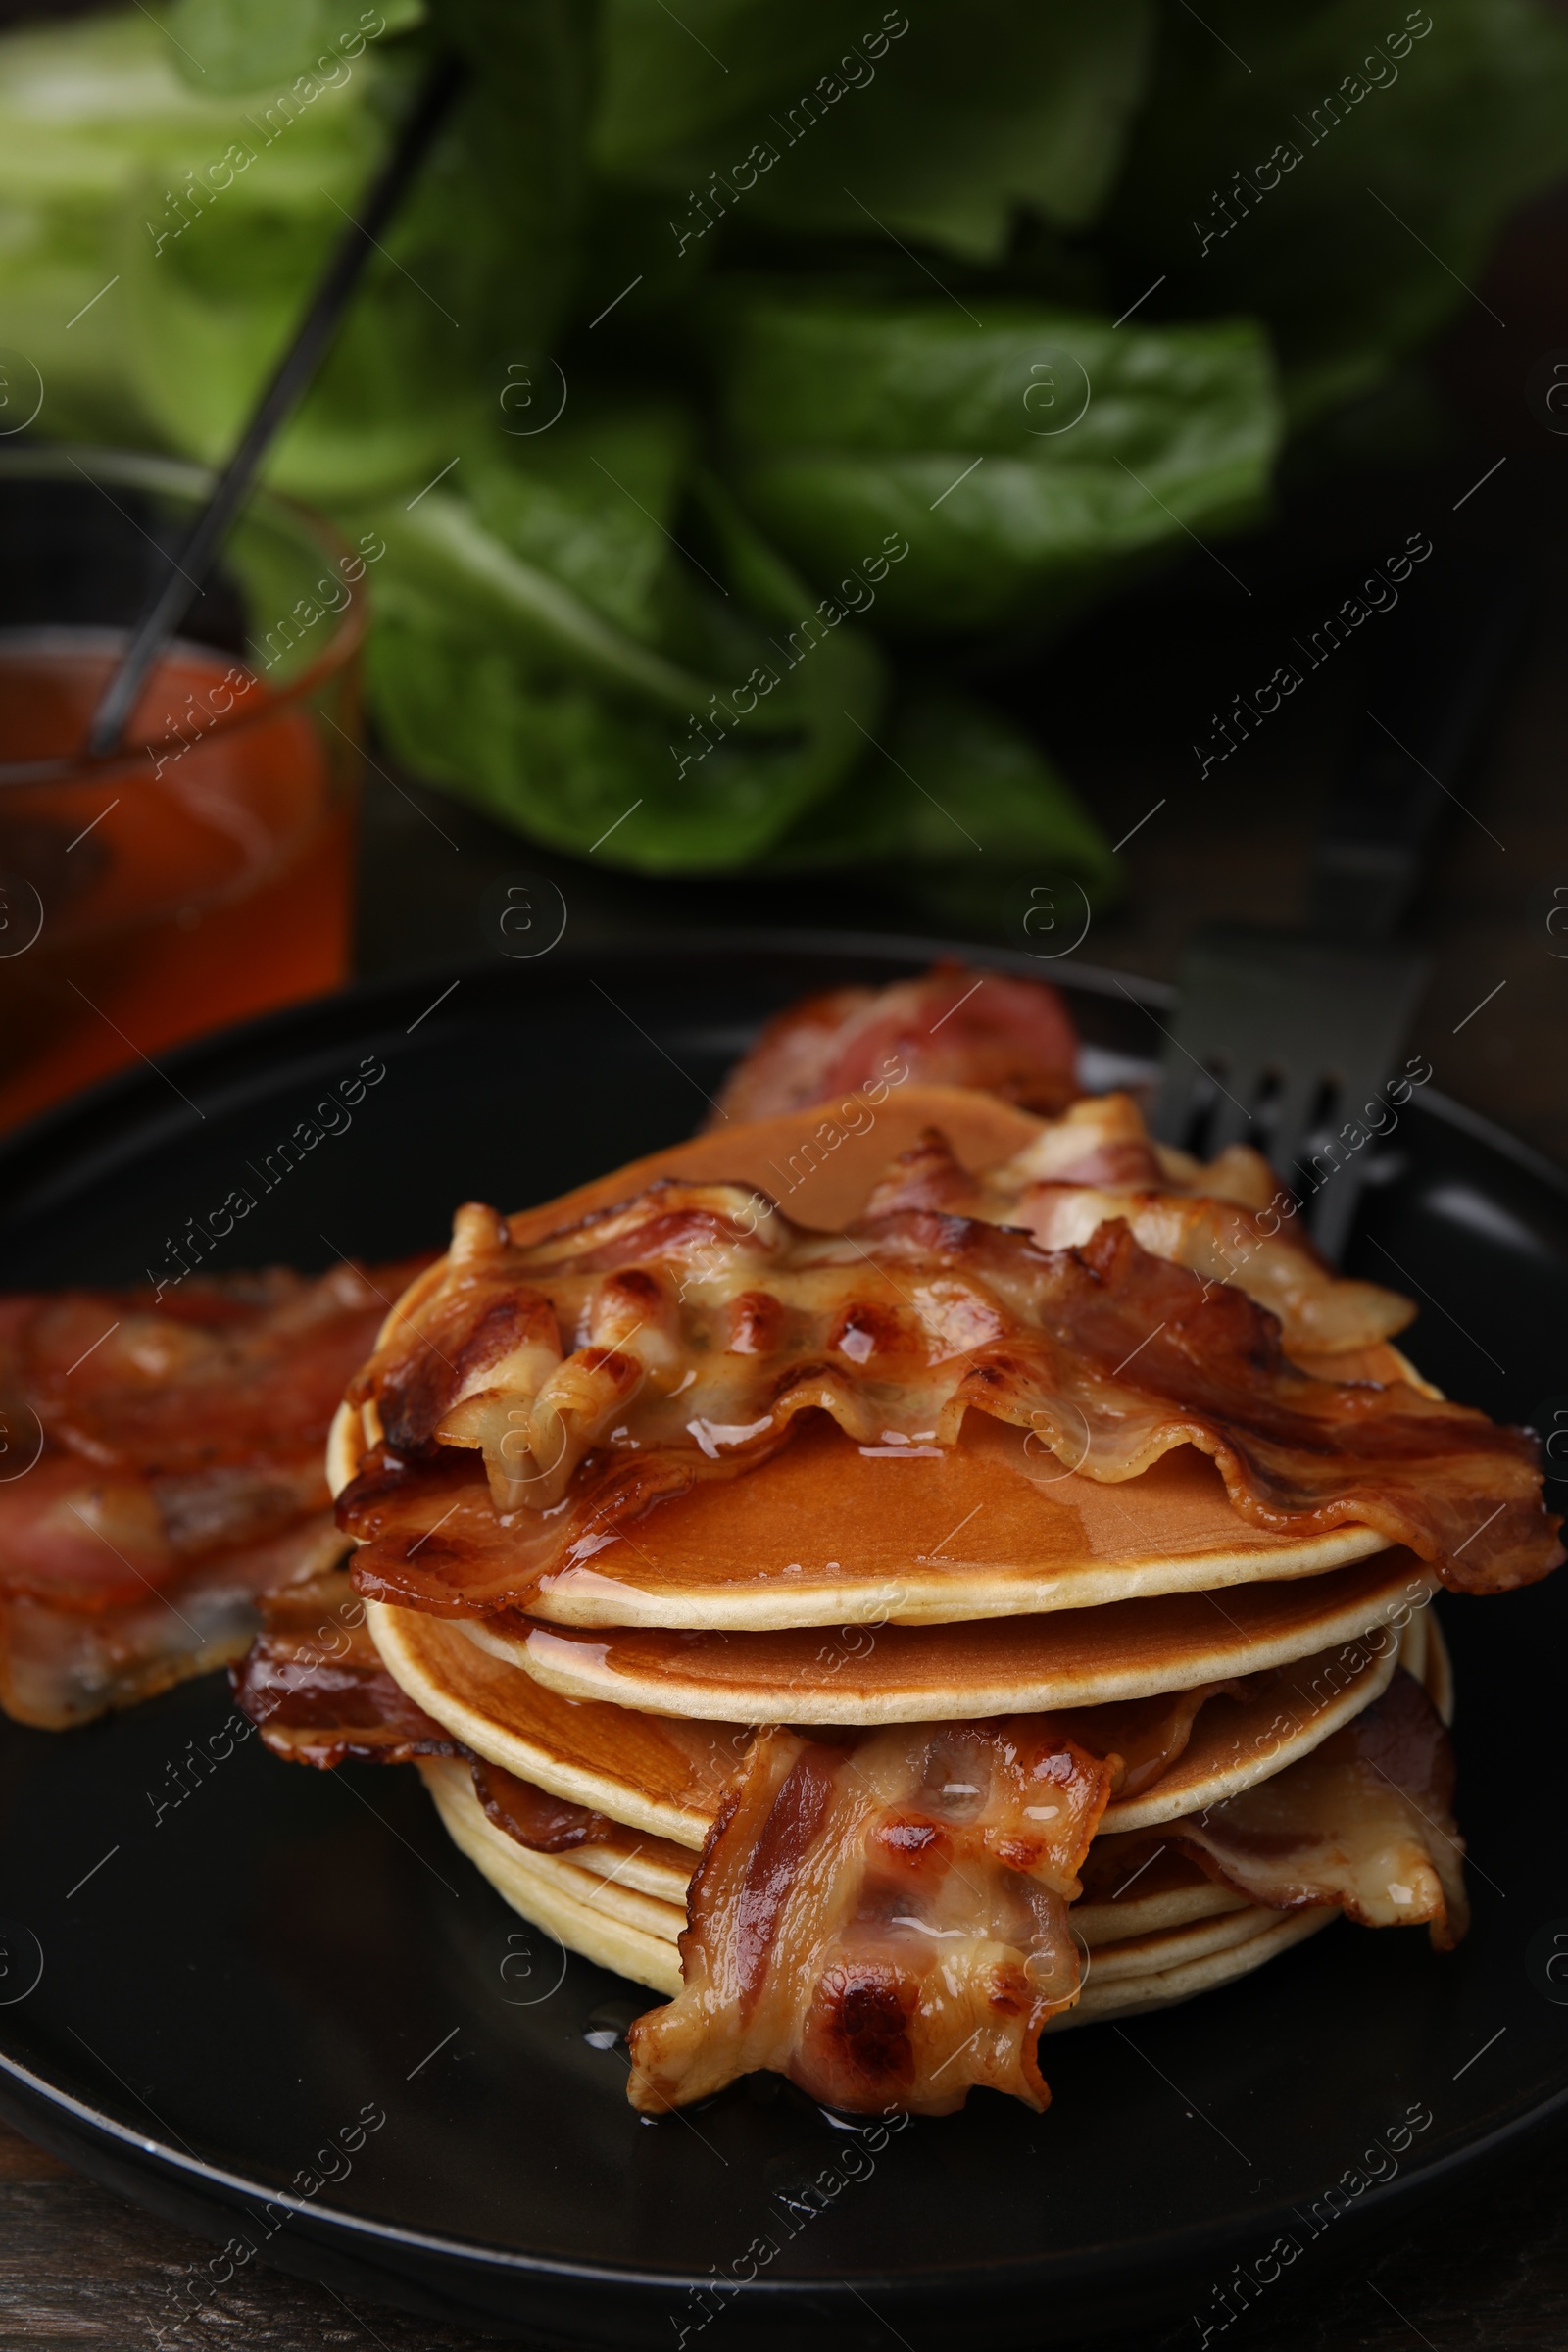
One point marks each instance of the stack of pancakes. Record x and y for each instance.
(1152, 1924)
(1245, 1694)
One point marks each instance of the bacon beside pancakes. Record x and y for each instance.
(952, 1026)
(677, 1337)
(314, 1685)
(179, 1474)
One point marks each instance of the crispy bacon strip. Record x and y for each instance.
(1100, 1139)
(1139, 1740)
(1365, 1821)
(1063, 1205)
(953, 1027)
(884, 1921)
(62, 1667)
(896, 1329)
(179, 1473)
(545, 1824)
(242, 1369)
(313, 1684)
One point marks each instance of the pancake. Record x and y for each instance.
(1437, 1667)
(1168, 1974)
(653, 1773)
(665, 1778)
(990, 1527)
(1156, 1949)
(998, 1666)
(551, 1894)
(1171, 1891)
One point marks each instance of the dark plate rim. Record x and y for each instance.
(1076, 2266)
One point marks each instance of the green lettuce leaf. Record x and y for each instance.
(228, 45)
(579, 639)
(214, 283)
(1019, 452)
(934, 124)
(470, 280)
(91, 116)
(1412, 147)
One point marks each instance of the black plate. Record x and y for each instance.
(229, 1982)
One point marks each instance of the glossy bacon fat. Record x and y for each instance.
(176, 1473)
(1081, 1171)
(314, 1685)
(952, 1026)
(679, 1335)
(885, 1920)
(1365, 1821)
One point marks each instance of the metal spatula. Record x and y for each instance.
(1286, 1040)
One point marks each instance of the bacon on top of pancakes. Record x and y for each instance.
(531, 1401)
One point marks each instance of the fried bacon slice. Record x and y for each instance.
(1049, 1193)
(872, 1918)
(1139, 1740)
(545, 1824)
(1365, 1821)
(677, 1337)
(314, 1685)
(953, 1027)
(884, 1920)
(59, 1667)
(176, 1473)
